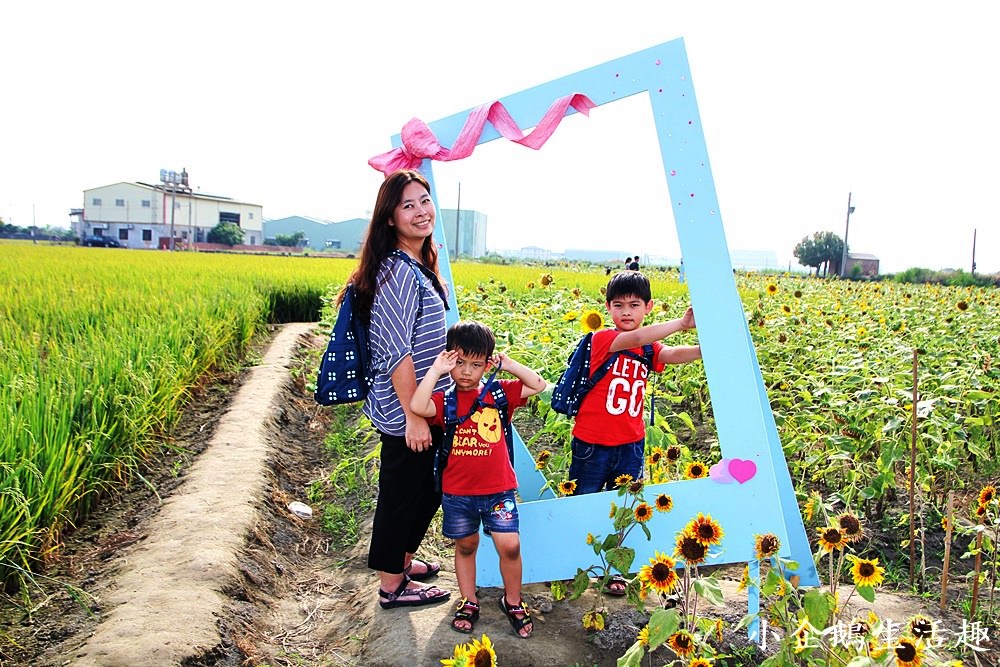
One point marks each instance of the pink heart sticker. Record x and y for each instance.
(742, 470)
(719, 473)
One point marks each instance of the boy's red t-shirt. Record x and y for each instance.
(612, 412)
(478, 464)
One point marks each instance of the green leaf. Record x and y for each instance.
(580, 584)
(633, 656)
(710, 589)
(662, 624)
(686, 418)
(818, 605)
(867, 592)
(771, 583)
(620, 558)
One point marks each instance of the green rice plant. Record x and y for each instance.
(98, 355)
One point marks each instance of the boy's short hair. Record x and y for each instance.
(471, 337)
(628, 283)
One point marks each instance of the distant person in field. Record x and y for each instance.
(609, 432)
(628, 260)
(405, 310)
(633, 265)
(478, 479)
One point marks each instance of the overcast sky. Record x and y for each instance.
(282, 104)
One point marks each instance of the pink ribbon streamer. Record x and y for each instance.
(420, 143)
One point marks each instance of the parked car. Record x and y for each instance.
(101, 242)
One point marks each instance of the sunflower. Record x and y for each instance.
(962, 305)
(613, 512)
(705, 529)
(664, 503)
(922, 627)
(804, 636)
(673, 453)
(908, 653)
(570, 316)
(682, 643)
(987, 494)
(860, 627)
(530, 285)
(772, 289)
(576, 292)
(643, 512)
(567, 488)
(590, 538)
(542, 459)
(850, 526)
(700, 662)
(944, 523)
(766, 545)
(866, 572)
(655, 456)
(744, 578)
(481, 653)
(623, 480)
(546, 280)
(659, 574)
(691, 550)
(786, 309)
(643, 637)
(797, 294)
(980, 511)
(458, 658)
(831, 538)
(592, 320)
(635, 488)
(695, 470)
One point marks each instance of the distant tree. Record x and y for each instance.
(291, 240)
(226, 233)
(820, 250)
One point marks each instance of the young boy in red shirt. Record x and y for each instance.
(478, 482)
(609, 434)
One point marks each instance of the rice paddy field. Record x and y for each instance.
(101, 350)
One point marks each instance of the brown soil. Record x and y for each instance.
(213, 569)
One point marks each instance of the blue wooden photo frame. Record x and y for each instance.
(757, 497)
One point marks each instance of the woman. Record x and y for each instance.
(399, 293)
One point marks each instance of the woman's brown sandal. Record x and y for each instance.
(465, 612)
(411, 597)
(518, 616)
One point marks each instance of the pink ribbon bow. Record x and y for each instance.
(420, 143)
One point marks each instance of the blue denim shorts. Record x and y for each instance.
(462, 514)
(595, 467)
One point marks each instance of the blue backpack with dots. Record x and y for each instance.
(345, 371)
(576, 380)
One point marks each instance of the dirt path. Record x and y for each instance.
(221, 573)
(166, 598)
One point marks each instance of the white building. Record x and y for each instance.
(139, 215)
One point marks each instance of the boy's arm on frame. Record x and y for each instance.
(680, 354)
(653, 332)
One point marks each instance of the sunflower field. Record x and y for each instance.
(101, 350)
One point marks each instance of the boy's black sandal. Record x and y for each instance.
(468, 612)
(518, 623)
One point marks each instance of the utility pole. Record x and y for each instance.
(847, 228)
(973, 253)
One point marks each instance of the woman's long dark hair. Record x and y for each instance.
(381, 240)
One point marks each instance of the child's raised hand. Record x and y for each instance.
(498, 359)
(687, 321)
(445, 361)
